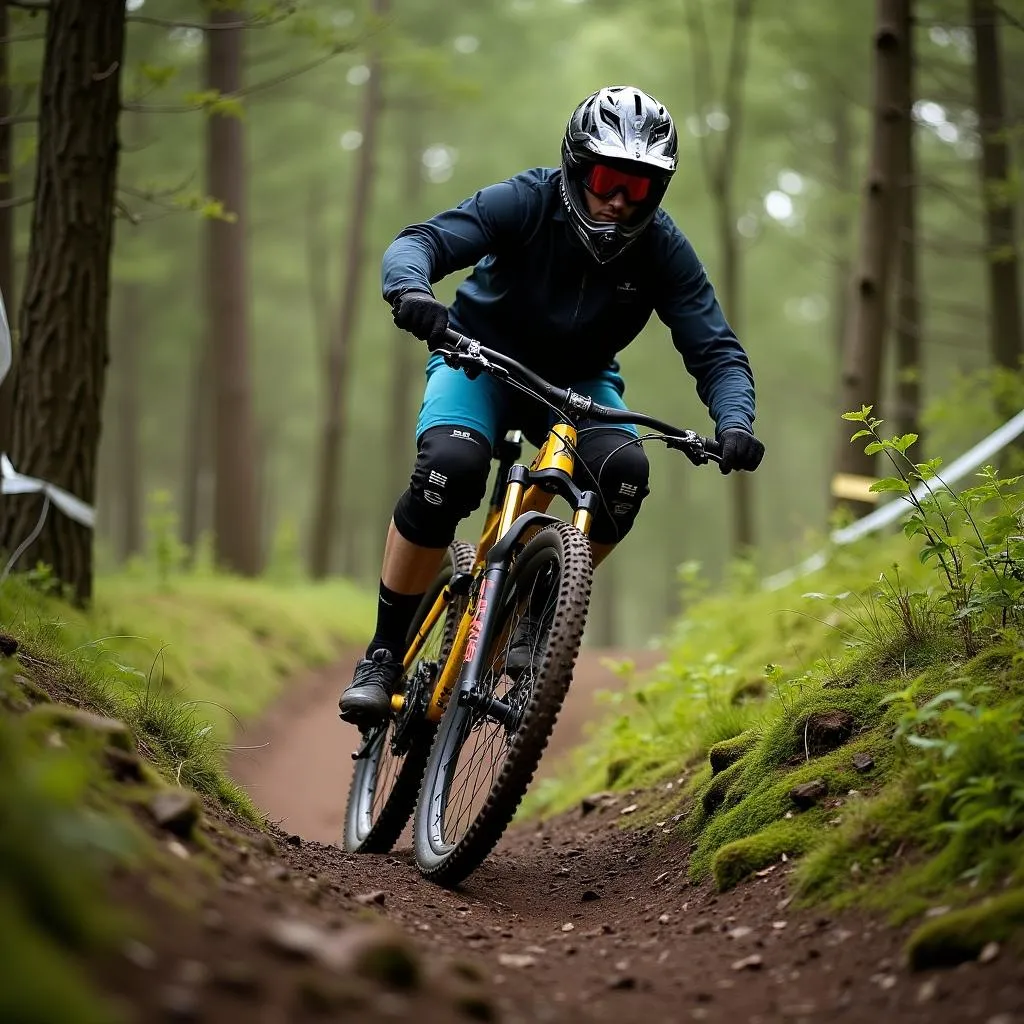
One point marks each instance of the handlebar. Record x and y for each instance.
(464, 353)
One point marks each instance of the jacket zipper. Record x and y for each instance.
(579, 301)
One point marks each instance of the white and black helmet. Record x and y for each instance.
(622, 127)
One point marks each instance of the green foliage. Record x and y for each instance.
(961, 935)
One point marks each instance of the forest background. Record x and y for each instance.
(354, 120)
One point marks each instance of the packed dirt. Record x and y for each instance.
(576, 919)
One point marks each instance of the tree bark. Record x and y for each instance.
(907, 335)
(861, 379)
(332, 430)
(125, 345)
(719, 170)
(6, 224)
(235, 501)
(405, 354)
(842, 169)
(1005, 327)
(58, 392)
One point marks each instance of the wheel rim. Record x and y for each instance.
(476, 747)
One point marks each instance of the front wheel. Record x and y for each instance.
(389, 767)
(490, 742)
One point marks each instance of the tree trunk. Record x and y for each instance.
(125, 344)
(235, 501)
(332, 430)
(6, 225)
(907, 335)
(58, 393)
(196, 469)
(861, 380)
(997, 176)
(842, 169)
(405, 354)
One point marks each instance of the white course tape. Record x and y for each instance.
(894, 510)
(13, 482)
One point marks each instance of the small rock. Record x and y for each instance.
(748, 963)
(178, 1002)
(779, 925)
(375, 951)
(377, 897)
(664, 919)
(826, 730)
(622, 982)
(294, 841)
(176, 810)
(589, 895)
(701, 925)
(884, 981)
(518, 960)
(297, 940)
(807, 794)
(863, 762)
(140, 954)
(928, 990)
(115, 732)
(740, 933)
(937, 911)
(8, 645)
(568, 926)
(628, 810)
(989, 952)
(178, 850)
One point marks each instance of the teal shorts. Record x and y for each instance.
(492, 407)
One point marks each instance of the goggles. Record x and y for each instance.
(603, 182)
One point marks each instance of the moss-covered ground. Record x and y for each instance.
(99, 709)
(866, 720)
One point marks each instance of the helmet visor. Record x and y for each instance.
(603, 182)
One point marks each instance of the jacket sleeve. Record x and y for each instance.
(485, 223)
(711, 351)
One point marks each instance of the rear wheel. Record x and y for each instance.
(389, 767)
(490, 742)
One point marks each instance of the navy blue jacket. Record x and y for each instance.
(537, 295)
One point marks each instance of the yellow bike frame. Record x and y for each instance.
(555, 454)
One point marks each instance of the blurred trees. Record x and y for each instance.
(471, 97)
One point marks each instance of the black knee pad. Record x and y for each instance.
(448, 483)
(623, 472)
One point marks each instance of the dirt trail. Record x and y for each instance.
(580, 920)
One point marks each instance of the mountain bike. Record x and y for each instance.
(492, 647)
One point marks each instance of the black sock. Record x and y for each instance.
(394, 617)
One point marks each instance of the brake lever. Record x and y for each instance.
(694, 447)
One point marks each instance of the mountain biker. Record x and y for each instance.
(568, 265)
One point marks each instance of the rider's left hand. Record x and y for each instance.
(740, 450)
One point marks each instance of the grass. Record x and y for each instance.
(894, 681)
(179, 662)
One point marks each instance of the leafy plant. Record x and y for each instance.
(975, 538)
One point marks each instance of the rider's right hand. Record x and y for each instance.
(422, 315)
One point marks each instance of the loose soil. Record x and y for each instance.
(576, 919)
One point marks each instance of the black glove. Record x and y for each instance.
(740, 450)
(422, 315)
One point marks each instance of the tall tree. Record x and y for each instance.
(339, 356)
(908, 333)
(126, 342)
(6, 216)
(236, 501)
(59, 377)
(1005, 326)
(405, 357)
(861, 376)
(719, 165)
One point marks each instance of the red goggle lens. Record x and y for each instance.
(604, 182)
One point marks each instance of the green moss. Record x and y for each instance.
(740, 859)
(728, 752)
(961, 934)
